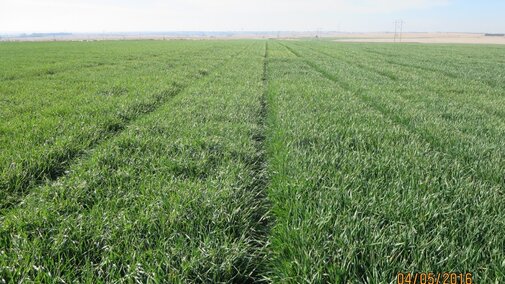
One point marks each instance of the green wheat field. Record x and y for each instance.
(246, 161)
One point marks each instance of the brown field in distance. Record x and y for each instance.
(424, 38)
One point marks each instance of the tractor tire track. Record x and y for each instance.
(261, 179)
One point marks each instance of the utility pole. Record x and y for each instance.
(398, 30)
(401, 30)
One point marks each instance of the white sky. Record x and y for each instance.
(242, 15)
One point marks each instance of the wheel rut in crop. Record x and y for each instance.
(261, 179)
(56, 164)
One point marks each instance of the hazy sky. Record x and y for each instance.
(250, 15)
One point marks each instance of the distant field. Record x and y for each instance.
(250, 161)
(456, 38)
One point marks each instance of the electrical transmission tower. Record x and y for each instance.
(399, 30)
